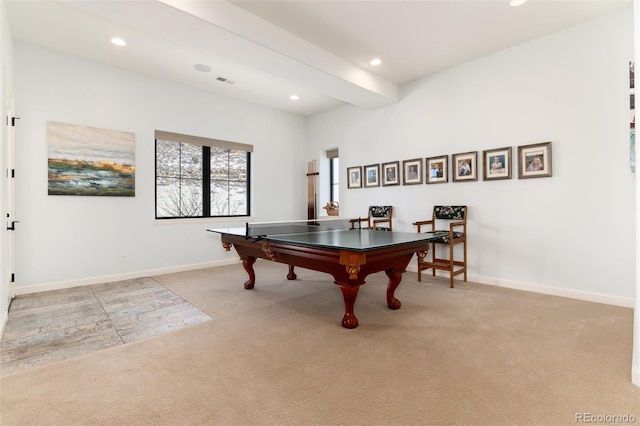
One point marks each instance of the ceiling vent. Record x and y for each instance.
(225, 80)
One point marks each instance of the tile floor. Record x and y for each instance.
(55, 325)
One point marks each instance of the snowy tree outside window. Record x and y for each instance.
(198, 177)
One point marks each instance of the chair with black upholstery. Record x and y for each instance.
(378, 218)
(450, 224)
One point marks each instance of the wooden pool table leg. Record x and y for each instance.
(247, 263)
(394, 281)
(349, 293)
(291, 275)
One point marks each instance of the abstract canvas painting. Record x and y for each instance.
(90, 161)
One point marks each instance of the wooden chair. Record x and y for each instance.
(454, 220)
(378, 218)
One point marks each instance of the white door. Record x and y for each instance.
(8, 275)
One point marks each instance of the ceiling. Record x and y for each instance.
(318, 50)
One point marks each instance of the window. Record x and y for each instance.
(334, 175)
(200, 177)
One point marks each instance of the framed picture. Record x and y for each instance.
(534, 160)
(391, 173)
(412, 171)
(465, 166)
(496, 164)
(354, 174)
(632, 124)
(90, 161)
(437, 169)
(372, 175)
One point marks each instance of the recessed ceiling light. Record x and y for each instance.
(376, 61)
(202, 67)
(517, 2)
(118, 41)
(294, 97)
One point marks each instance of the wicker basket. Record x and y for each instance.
(332, 208)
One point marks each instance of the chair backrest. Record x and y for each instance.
(380, 211)
(450, 212)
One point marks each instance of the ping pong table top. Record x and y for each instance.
(334, 237)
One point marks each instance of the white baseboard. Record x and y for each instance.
(587, 296)
(3, 322)
(536, 288)
(59, 285)
(627, 302)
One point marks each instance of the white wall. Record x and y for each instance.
(68, 240)
(571, 234)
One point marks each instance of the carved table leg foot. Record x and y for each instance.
(291, 275)
(394, 281)
(248, 266)
(349, 294)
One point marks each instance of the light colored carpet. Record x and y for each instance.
(277, 355)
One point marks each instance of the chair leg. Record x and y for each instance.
(464, 245)
(451, 265)
(433, 258)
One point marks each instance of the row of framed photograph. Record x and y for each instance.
(534, 161)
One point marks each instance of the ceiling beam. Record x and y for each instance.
(224, 29)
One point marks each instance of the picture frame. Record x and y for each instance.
(437, 169)
(465, 166)
(534, 160)
(90, 161)
(372, 175)
(412, 171)
(632, 116)
(354, 177)
(496, 164)
(391, 173)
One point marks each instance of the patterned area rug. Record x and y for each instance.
(55, 325)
